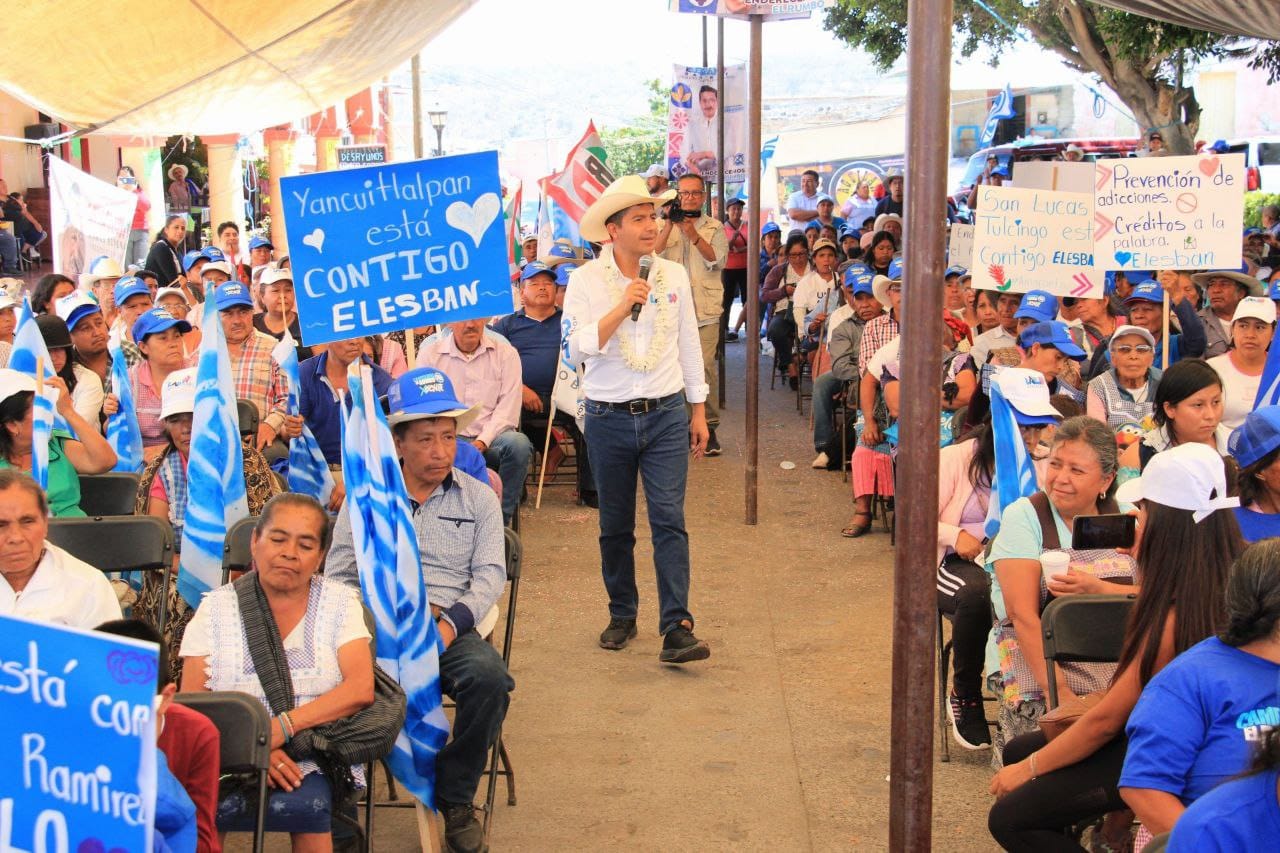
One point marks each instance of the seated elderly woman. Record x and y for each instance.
(1079, 481)
(1125, 393)
(316, 630)
(69, 457)
(1255, 447)
(162, 492)
(38, 580)
(1201, 718)
(1047, 785)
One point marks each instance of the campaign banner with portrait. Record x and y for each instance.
(383, 248)
(89, 218)
(771, 10)
(840, 178)
(79, 741)
(693, 119)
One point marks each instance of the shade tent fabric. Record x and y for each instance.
(1248, 18)
(160, 67)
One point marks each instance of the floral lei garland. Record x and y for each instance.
(664, 319)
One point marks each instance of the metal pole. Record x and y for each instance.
(415, 69)
(752, 406)
(704, 41)
(440, 143)
(720, 93)
(914, 605)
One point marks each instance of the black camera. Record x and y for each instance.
(676, 213)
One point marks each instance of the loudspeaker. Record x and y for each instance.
(38, 132)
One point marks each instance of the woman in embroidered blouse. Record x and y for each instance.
(162, 492)
(327, 648)
(1126, 393)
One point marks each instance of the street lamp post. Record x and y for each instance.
(437, 118)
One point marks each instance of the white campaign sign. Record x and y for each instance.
(1034, 240)
(1171, 213)
(1053, 175)
(960, 247)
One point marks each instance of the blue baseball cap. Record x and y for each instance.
(425, 392)
(190, 258)
(1147, 291)
(258, 242)
(535, 268)
(895, 269)
(562, 274)
(812, 224)
(1052, 334)
(212, 253)
(1038, 305)
(74, 307)
(1250, 231)
(129, 287)
(232, 293)
(156, 320)
(1274, 290)
(858, 279)
(1256, 437)
(954, 270)
(771, 228)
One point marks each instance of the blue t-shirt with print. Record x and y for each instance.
(1256, 525)
(1199, 720)
(1241, 816)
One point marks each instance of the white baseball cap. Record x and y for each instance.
(13, 382)
(274, 273)
(1028, 394)
(1257, 307)
(7, 301)
(178, 394)
(221, 266)
(1121, 331)
(172, 291)
(1186, 476)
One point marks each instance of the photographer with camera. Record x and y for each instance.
(697, 243)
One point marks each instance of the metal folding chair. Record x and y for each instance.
(1083, 629)
(245, 730)
(109, 494)
(235, 549)
(119, 544)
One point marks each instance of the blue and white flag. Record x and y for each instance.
(1015, 475)
(390, 569)
(1269, 384)
(216, 497)
(766, 152)
(1001, 108)
(28, 352)
(123, 433)
(308, 471)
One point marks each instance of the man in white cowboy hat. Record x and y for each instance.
(697, 242)
(1225, 289)
(638, 340)
(458, 524)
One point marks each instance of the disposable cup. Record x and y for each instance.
(1053, 563)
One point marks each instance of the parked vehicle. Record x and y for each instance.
(1261, 161)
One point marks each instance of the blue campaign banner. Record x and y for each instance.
(78, 741)
(399, 246)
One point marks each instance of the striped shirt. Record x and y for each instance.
(878, 332)
(258, 378)
(460, 543)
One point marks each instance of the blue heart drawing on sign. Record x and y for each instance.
(1017, 222)
(1123, 258)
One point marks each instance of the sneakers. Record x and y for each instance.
(462, 832)
(821, 461)
(968, 722)
(731, 336)
(713, 445)
(680, 646)
(615, 637)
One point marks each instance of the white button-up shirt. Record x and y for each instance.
(608, 378)
(62, 591)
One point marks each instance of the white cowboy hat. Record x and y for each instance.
(176, 169)
(880, 287)
(627, 191)
(1248, 282)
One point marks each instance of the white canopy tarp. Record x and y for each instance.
(1247, 18)
(159, 67)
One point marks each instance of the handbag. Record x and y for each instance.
(1061, 718)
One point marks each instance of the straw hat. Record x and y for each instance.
(177, 172)
(627, 191)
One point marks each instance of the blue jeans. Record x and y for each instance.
(8, 252)
(473, 675)
(825, 387)
(654, 445)
(509, 455)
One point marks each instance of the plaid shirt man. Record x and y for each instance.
(258, 378)
(878, 332)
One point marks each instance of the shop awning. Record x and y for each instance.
(159, 67)
(1245, 18)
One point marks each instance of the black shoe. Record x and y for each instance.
(968, 722)
(591, 499)
(680, 646)
(462, 832)
(794, 382)
(730, 336)
(713, 445)
(617, 634)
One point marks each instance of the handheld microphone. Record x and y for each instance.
(646, 264)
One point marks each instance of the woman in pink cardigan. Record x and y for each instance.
(964, 592)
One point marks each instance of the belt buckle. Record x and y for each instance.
(638, 407)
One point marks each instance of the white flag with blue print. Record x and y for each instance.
(1001, 108)
(386, 548)
(216, 497)
(308, 471)
(28, 352)
(1015, 474)
(123, 433)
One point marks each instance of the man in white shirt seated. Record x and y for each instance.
(40, 581)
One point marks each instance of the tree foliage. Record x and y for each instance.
(639, 145)
(1142, 60)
